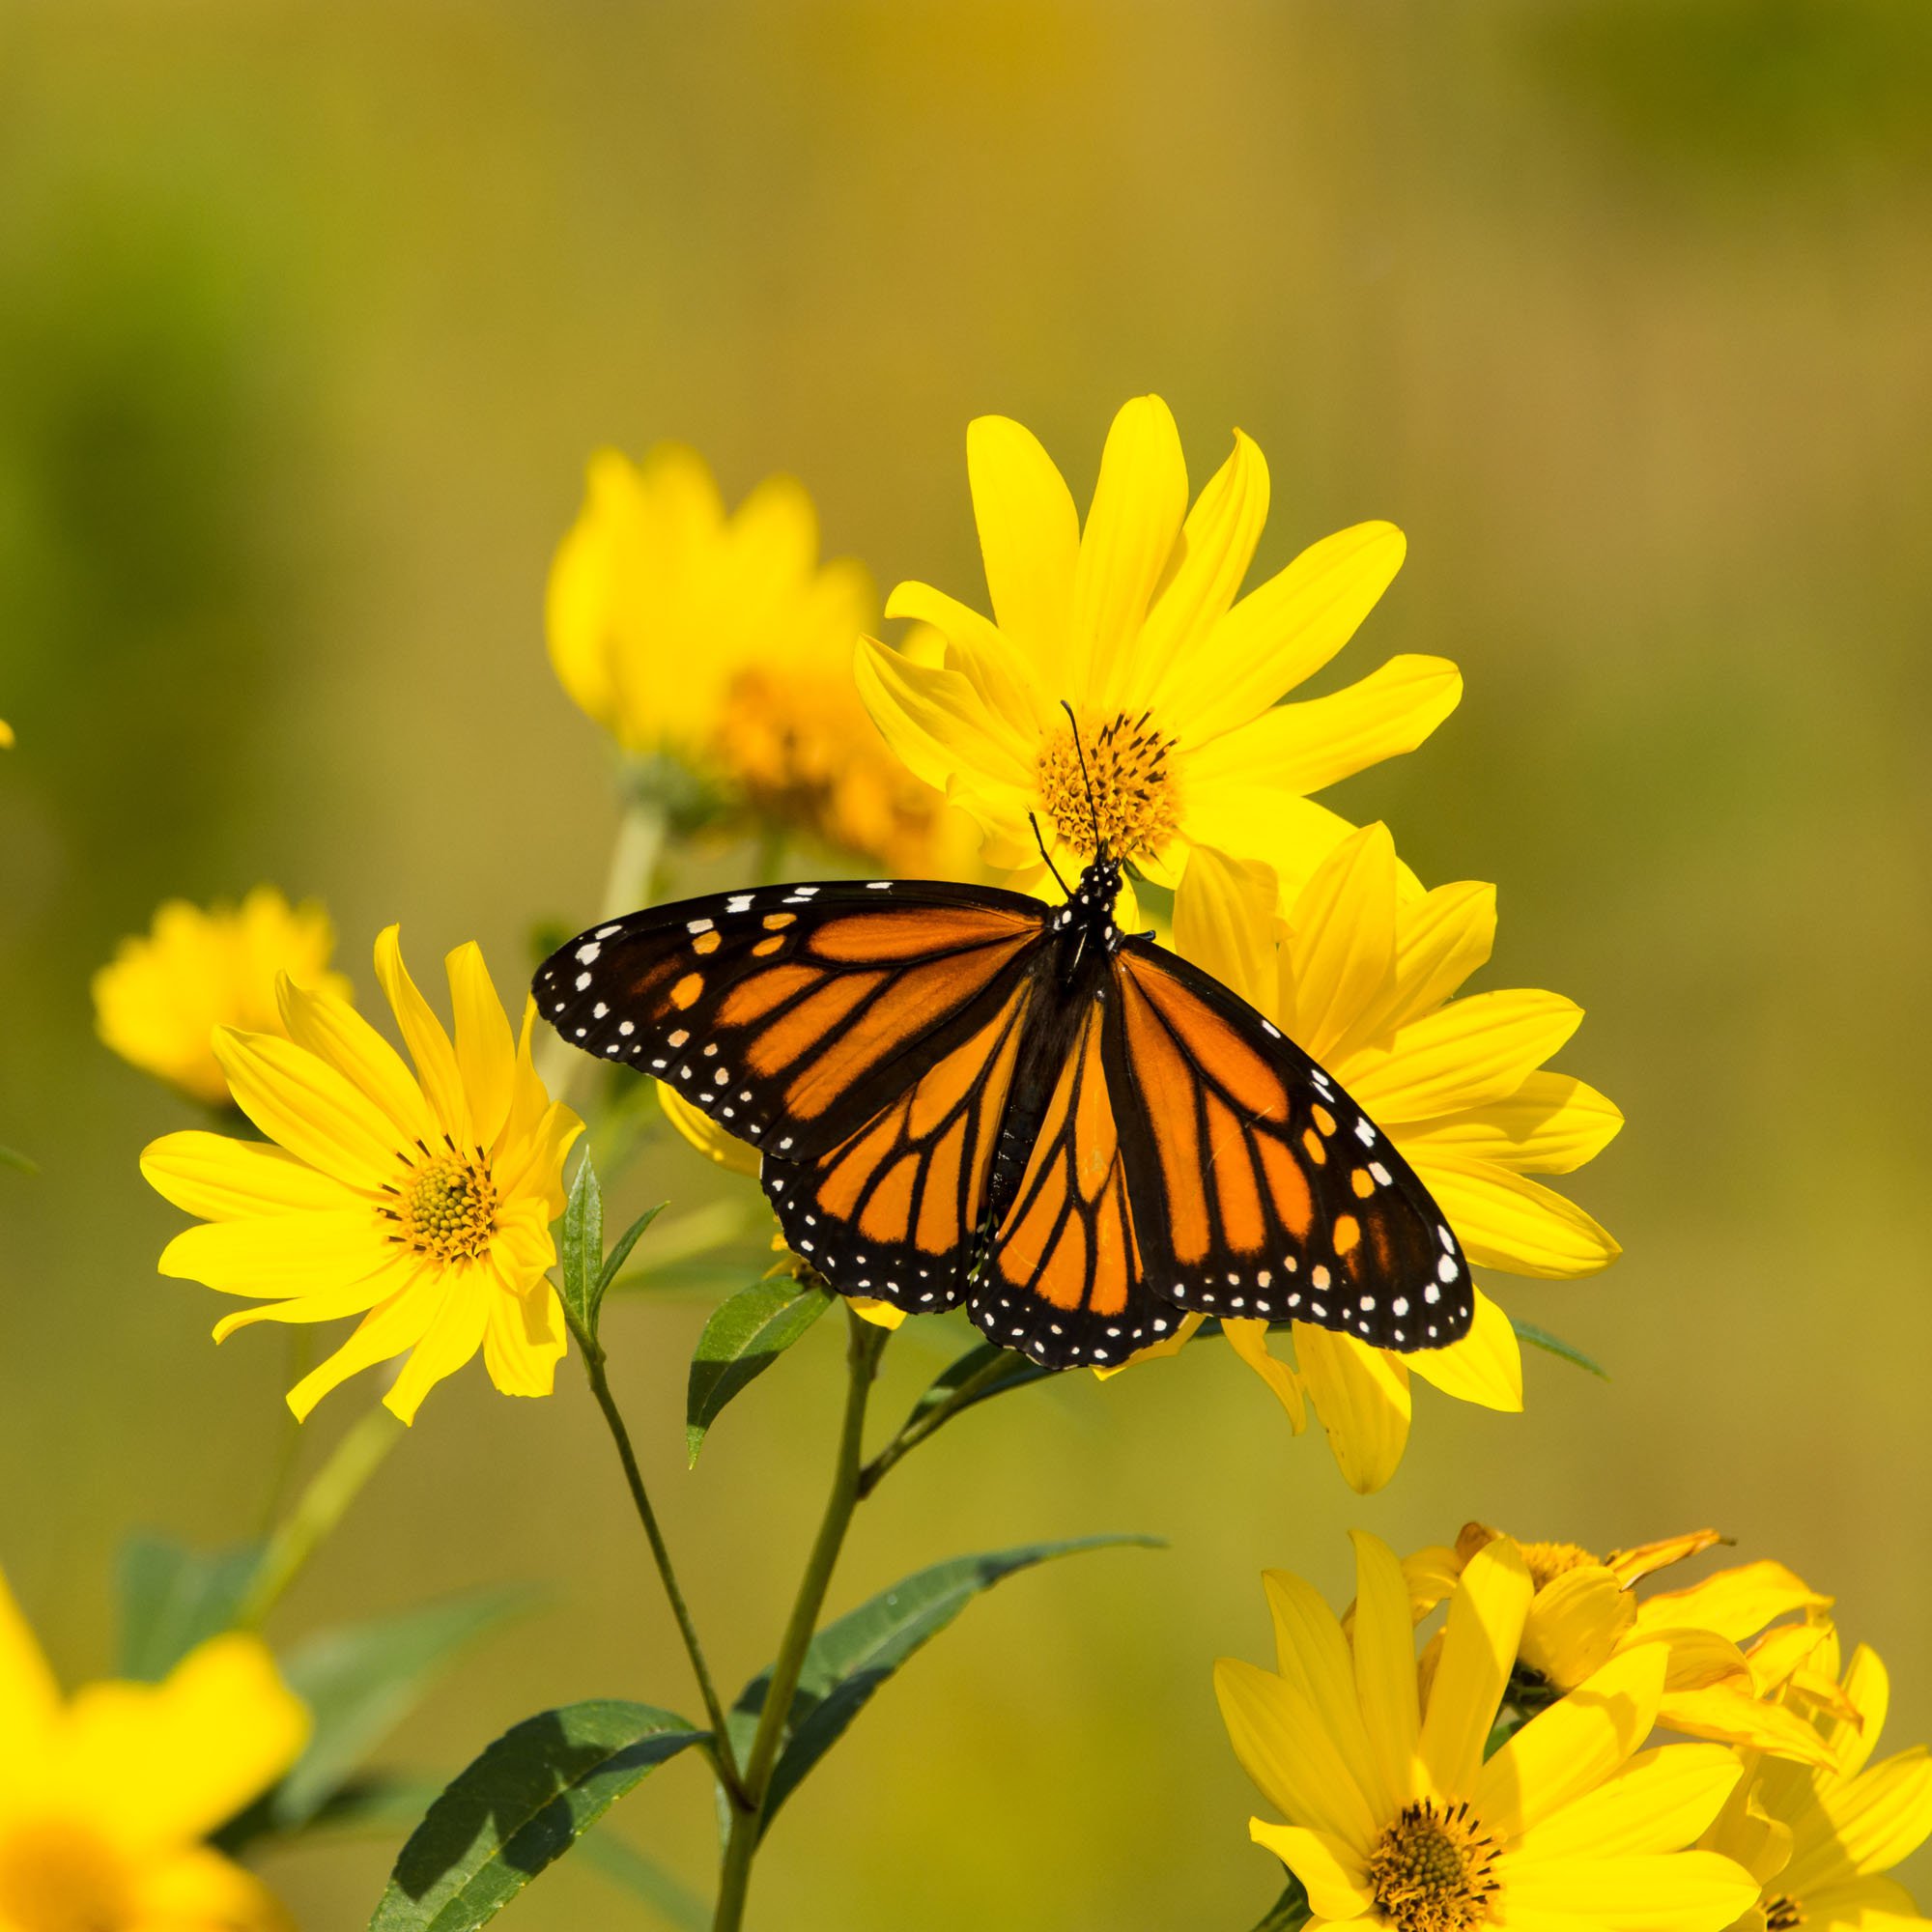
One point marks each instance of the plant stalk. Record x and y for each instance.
(862, 1346)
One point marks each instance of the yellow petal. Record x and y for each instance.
(1576, 1621)
(1570, 1748)
(1868, 1685)
(29, 1696)
(1507, 1221)
(199, 1891)
(935, 721)
(522, 1247)
(384, 1333)
(1874, 1820)
(334, 1030)
(1463, 1055)
(1862, 1905)
(184, 1756)
(423, 1035)
(1223, 921)
(1312, 1658)
(1332, 1874)
(1308, 744)
(1361, 1394)
(1029, 539)
(1184, 1333)
(1738, 1718)
(524, 1341)
(1292, 1761)
(1430, 1574)
(1163, 671)
(330, 1301)
(222, 1179)
(1660, 1801)
(1339, 955)
(1479, 1644)
(1778, 1656)
(1441, 938)
(1485, 1367)
(1291, 835)
(1133, 527)
(999, 674)
(1291, 626)
(451, 1341)
(1672, 1892)
(1552, 1125)
(1736, 1602)
(486, 1055)
(1249, 1341)
(1385, 1660)
(880, 1314)
(306, 1106)
(279, 1254)
(708, 1136)
(1645, 1559)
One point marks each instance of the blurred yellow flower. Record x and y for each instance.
(725, 642)
(425, 1201)
(1134, 623)
(1395, 1815)
(159, 1003)
(105, 1798)
(6, 736)
(1736, 1669)
(1359, 972)
(1819, 1841)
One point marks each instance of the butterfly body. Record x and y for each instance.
(963, 1095)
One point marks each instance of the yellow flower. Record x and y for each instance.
(1359, 972)
(105, 1798)
(6, 736)
(1395, 1816)
(1736, 1667)
(1134, 623)
(1819, 1840)
(724, 641)
(425, 1201)
(160, 1002)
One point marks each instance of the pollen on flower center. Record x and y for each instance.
(1431, 1871)
(1783, 1913)
(1547, 1561)
(1133, 799)
(446, 1208)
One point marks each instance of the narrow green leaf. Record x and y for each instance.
(359, 1682)
(623, 1864)
(621, 1252)
(740, 1342)
(1554, 1345)
(519, 1808)
(583, 1248)
(13, 1158)
(172, 1598)
(850, 1658)
(1290, 1912)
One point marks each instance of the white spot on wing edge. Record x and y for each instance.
(586, 955)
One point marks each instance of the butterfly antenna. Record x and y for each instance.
(1040, 841)
(1086, 778)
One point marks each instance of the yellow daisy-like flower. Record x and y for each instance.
(1820, 1841)
(105, 1798)
(1360, 973)
(159, 1003)
(1133, 622)
(424, 1200)
(6, 736)
(1394, 1815)
(725, 642)
(1740, 1670)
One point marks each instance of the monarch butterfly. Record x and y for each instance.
(962, 1093)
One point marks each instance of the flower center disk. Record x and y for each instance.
(1132, 806)
(446, 1210)
(1431, 1871)
(1783, 1913)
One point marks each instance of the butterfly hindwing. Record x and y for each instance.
(1262, 1189)
(793, 1014)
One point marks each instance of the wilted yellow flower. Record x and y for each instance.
(105, 1798)
(1397, 1818)
(1360, 973)
(1739, 1672)
(159, 1003)
(1819, 1841)
(725, 642)
(425, 1201)
(1134, 623)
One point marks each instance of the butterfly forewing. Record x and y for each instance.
(795, 1015)
(1262, 1189)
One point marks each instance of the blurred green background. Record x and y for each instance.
(308, 318)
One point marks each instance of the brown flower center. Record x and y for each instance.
(446, 1208)
(1132, 806)
(1431, 1871)
(1783, 1913)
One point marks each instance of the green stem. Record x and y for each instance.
(631, 882)
(723, 1755)
(321, 1506)
(864, 1344)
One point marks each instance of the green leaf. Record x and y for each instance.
(979, 1374)
(520, 1806)
(740, 1342)
(1554, 1345)
(13, 1158)
(1290, 1912)
(621, 1252)
(583, 1248)
(850, 1659)
(172, 1597)
(382, 1804)
(359, 1682)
